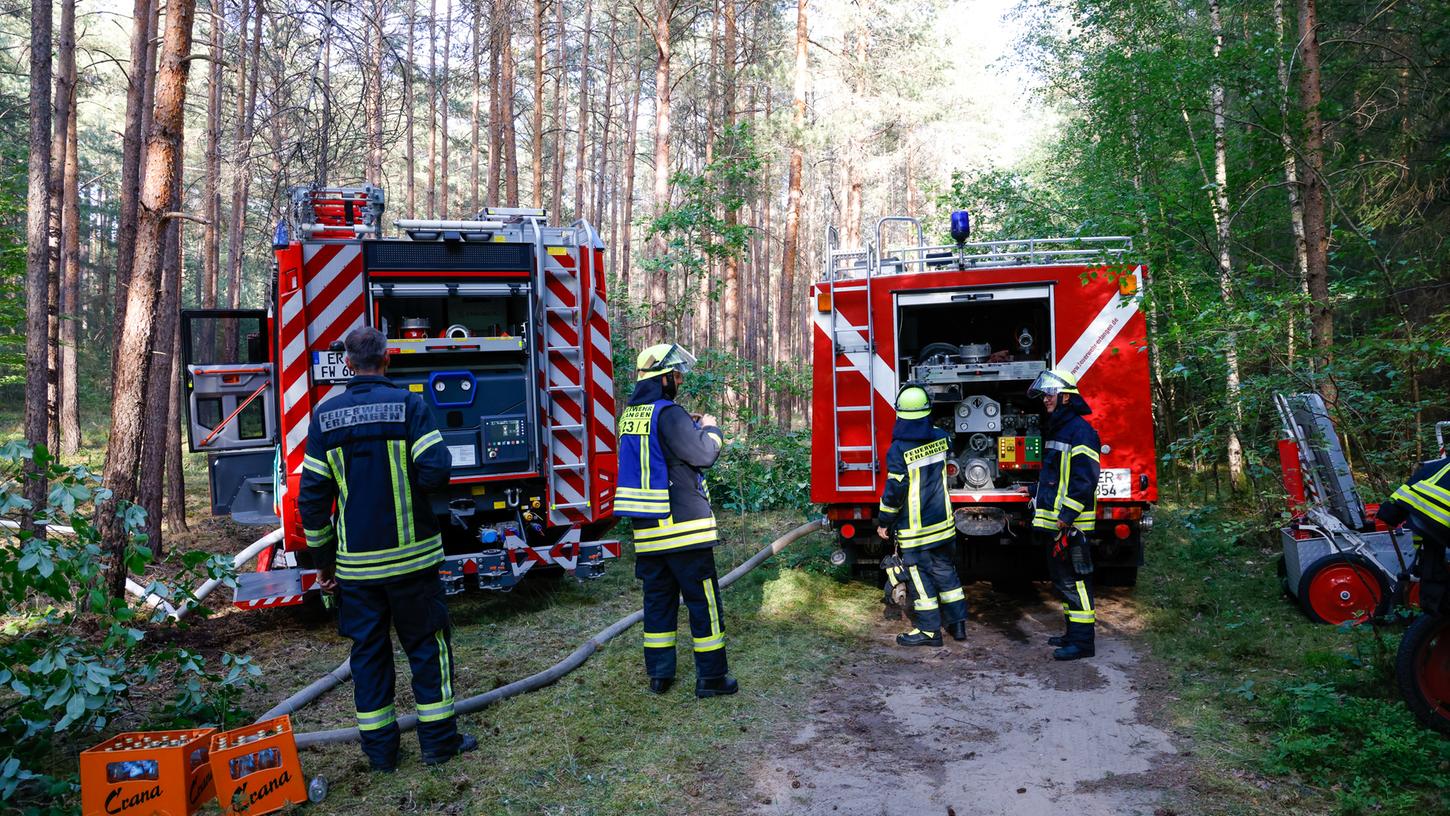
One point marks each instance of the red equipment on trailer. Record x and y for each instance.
(974, 324)
(499, 323)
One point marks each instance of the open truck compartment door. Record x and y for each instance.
(231, 408)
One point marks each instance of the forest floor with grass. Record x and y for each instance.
(1211, 694)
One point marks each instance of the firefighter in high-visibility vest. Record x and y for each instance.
(915, 503)
(1065, 507)
(1424, 502)
(663, 455)
(374, 453)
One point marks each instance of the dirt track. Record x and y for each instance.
(989, 726)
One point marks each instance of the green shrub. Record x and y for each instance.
(70, 655)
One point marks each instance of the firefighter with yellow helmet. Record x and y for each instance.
(915, 503)
(1065, 506)
(663, 456)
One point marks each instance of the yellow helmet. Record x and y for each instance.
(913, 403)
(663, 358)
(1053, 382)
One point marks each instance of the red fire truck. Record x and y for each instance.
(499, 324)
(974, 324)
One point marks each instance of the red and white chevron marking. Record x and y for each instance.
(330, 303)
(266, 603)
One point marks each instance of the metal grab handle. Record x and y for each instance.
(881, 224)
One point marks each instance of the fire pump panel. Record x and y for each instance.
(976, 352)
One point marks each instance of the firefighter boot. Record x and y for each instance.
(1073, 651)
(660, 685)
(715, 686)
(958, 630)
(466, 743)
(916, 637)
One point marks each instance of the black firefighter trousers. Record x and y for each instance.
(667, 576)
(415, 607)
(1075, 589)
(936, 591)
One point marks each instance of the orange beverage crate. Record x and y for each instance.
(147, 773)
(256, 768)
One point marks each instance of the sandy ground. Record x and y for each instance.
(989, 726)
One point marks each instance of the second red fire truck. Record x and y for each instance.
(974, 324)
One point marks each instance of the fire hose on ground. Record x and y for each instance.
(533, 682)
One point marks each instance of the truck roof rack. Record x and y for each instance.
(878, 258)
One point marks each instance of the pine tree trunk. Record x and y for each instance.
(790, 244)
(445, 192)
(138, 341)
(70, 292)
(157, 433)
(537, 148)
(1316, 229)
(211, 233)
(248, 64)
(602, 137)
(658, 293)
(734, 296)
(37, 249)
(1221, 212)
(132, 146)
(324, 132)
(432, 191)
(495, 103)
(1291, 179)
(510, 136)
(410, 101)
(477, 107)
(581, 166)
(375, 94)
(626, 220)
(561, 110)
(175, 500)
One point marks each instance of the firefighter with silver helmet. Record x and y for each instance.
(1065, 506)
(915, 503)
(663, 456)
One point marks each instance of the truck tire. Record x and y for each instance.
(1422, 671)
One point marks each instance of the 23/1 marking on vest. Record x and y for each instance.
(636, 420)
(929, 449)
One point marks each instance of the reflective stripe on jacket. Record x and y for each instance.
(374, 452)
(915, 500)
(1424, 501)
(687, 451)
(644, 478)
(1067, 489)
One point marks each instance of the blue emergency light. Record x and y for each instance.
(280, 238)
(961, 226)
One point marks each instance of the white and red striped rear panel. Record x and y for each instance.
(321, 296)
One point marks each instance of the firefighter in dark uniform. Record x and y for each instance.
(663, 455)
(1424, 502)
(916, 504)
(374, 452)
(1066, 507)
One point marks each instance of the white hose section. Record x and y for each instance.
(49, 528)
(154, 601)
(533, 682)
(252, 551)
